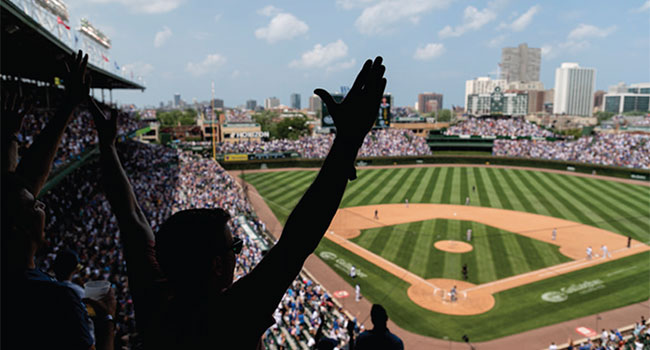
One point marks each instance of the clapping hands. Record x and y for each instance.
(106, 125)
(77, 82)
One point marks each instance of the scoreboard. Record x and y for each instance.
(383, 117)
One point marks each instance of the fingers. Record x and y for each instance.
(327, 98)
(361, 77)
(84, 64)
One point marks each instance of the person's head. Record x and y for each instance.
(196, 246)
(23, 223)
(65, 264)
(378, 316)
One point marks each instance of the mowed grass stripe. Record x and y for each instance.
(447, 188)
(395, 188)
(530, 252)
(422, 248)
(296, 188)
(435, 261)
(468, 259)
(374, 189)
(362, 186)
(485, 269)
(405, 251)
(638, 192)
(464, 185)
(625, 218)
(481, 189)
(499, 253)
(394, 241)
(559, 199)
(500, 192)
(452, 260)
(539, 193)
(427, 195)
(272, 177)
(417, 182)
(515, 254)
(642, 209)
(519, 196)
(272, 189)
(606, 221)
(380, 239)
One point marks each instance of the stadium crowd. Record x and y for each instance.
(378, 143)
(498, 127)
(623, 149)
(613, 339)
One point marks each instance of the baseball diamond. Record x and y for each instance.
(515, 267)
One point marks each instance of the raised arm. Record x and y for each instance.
(35, 165)
(312, 216)
(13, 112)
(135, 233)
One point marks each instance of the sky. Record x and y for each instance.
(259, 49)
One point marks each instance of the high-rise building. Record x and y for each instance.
(429, 102)
(574, 90)
(520, 63)
(482, 85)
(251, 105)
(622, 98)
(598, 100)
(271, 102)
(177, 100)
(218, 103)
(295, 100)
(314, 103)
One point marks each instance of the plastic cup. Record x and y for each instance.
(96, 289)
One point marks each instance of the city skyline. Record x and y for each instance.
(253, 51)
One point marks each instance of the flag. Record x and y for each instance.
(116, 66)
(76, 39)
(60, 21)
(105, 58)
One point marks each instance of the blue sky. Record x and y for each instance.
(258, 49)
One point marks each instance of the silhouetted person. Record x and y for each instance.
(464, 271)
(629, 241)
(37, 311)
(378, 338)
(181, 279)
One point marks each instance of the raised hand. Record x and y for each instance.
(77, 82)
(13, 112)
(355, 115)
(106, 126)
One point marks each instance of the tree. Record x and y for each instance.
(265, 120)
(176, 117)
(444, 115)
(603, 115)
(292, 128)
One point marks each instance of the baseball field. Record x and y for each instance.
(518, 277)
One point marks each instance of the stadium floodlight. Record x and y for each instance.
(95, 34)
(56, 7)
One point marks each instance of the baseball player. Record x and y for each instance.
(407, 202)
(467, 200)
(353, 271)
(464, 271)
(469, 234)
(452, 294)
(376, 214)
(554, 234)
(357, 293)
(605, 252)
(589, 251)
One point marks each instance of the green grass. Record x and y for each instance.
(613, 206)
(626, 282)
(496, 254)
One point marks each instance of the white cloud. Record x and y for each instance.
(161, 37)
(429, 51)
(548, 51)
(145, 6)
(585, 31)
(217, 17)
(497, 41)
(473, 19)
(350, 4)
(283, 26)
(384, 16)
(138, 68)
(269, 11)
(524, 20)
(209, 64)
(322, 56)
(342, 65)
(645, 7)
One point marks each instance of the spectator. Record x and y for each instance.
(379, 337)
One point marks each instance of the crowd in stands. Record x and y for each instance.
(378, 143)
(498, 127)
(613, 339)
(623, 149)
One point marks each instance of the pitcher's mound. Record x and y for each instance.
(453, 246)
(435, 295)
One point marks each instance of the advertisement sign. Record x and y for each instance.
(235, 157)
(383, 119)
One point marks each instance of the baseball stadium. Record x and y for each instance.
(520, 220)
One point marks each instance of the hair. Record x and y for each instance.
(378, 316)
(188, 242)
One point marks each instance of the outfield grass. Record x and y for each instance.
(497, 253)
(613, 206)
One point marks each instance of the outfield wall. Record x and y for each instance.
(628, 173)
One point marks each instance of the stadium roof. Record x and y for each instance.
(32, 52)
